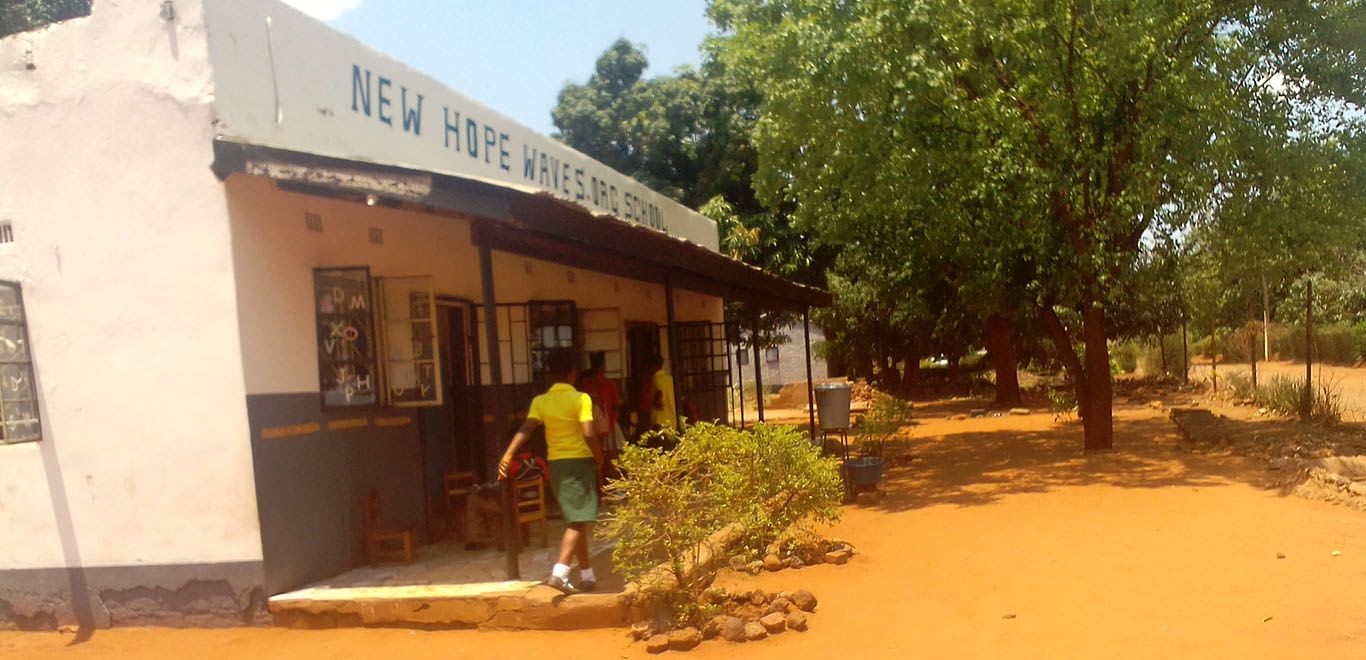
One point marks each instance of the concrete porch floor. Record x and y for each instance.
(447, 586)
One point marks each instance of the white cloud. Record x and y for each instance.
(324, 10)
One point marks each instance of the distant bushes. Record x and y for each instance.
(1337, 343)
(1341, 344)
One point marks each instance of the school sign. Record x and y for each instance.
(284, 80)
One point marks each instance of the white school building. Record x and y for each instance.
(252, 270)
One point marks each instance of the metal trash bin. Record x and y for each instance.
(864, 473)
(832, 405)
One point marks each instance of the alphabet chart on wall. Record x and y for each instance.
(347, 371)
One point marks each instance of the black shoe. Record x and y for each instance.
(586, 585)
(561, 584)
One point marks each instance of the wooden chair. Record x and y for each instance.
(457, 486)
(529, 496)
(382, 544)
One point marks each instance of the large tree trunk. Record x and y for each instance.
(888, 375)
(1099, 422)
(1093, 399)
(1002, 351)
(955, 367)
(863, 366)
(910, 376)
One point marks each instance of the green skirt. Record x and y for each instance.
(575, 482)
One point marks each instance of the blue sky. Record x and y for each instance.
(515, 55)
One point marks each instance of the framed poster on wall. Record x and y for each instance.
(343, 301)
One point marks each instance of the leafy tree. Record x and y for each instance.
(688, 135)
(22, 15)
(1075, 137)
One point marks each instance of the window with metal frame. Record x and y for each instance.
(412, 374)
(554, 324)
(702, 369)
(19, 421)
(527, 332)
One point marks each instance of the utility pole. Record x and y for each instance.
(1266, 320)
(1213, 360)
(1307, 406)
(1185, 352)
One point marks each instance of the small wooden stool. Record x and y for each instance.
(383, 544)
(457, 487)
(532, 509)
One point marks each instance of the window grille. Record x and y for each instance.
(18, 394)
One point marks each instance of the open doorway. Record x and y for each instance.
(452, 432)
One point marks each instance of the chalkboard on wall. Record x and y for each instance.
(347, 370)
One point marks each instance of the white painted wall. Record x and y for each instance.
(275, 255)
(122, 247)
(791, 364)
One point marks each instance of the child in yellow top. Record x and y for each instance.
(573, 456)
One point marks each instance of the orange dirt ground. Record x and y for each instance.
(1000, 540)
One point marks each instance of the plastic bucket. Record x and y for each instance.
(832, 404)
(864, 472)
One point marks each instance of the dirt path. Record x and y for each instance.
(1349, 382)
(999, 541)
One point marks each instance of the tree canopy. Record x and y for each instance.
(688, 134)
(1064, 144)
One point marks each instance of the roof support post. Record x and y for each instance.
(511, 533)
(758, 372)
(739, 368)
(672, 336)
(810, 387)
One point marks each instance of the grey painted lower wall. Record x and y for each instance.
(312, 470)
(193, 595)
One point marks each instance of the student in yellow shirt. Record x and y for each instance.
(666, 412)
(574, 457)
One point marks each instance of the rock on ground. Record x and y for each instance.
(657, 644)
(713, 626)
(837, 556)
(804, 600)
(796, 621)
(780, 604)
(772, 562)
(732, 629)
(754, 631)
(685, 639)
(774, 623)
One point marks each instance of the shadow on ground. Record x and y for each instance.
(978, 461)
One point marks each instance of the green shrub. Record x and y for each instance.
(1151, 355)
(1285, 395)
(1239, 384)
(1064, 404)
(1337, 343)
(671, 501)
(1282, 394)
(1124, 356)
(875, 431)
